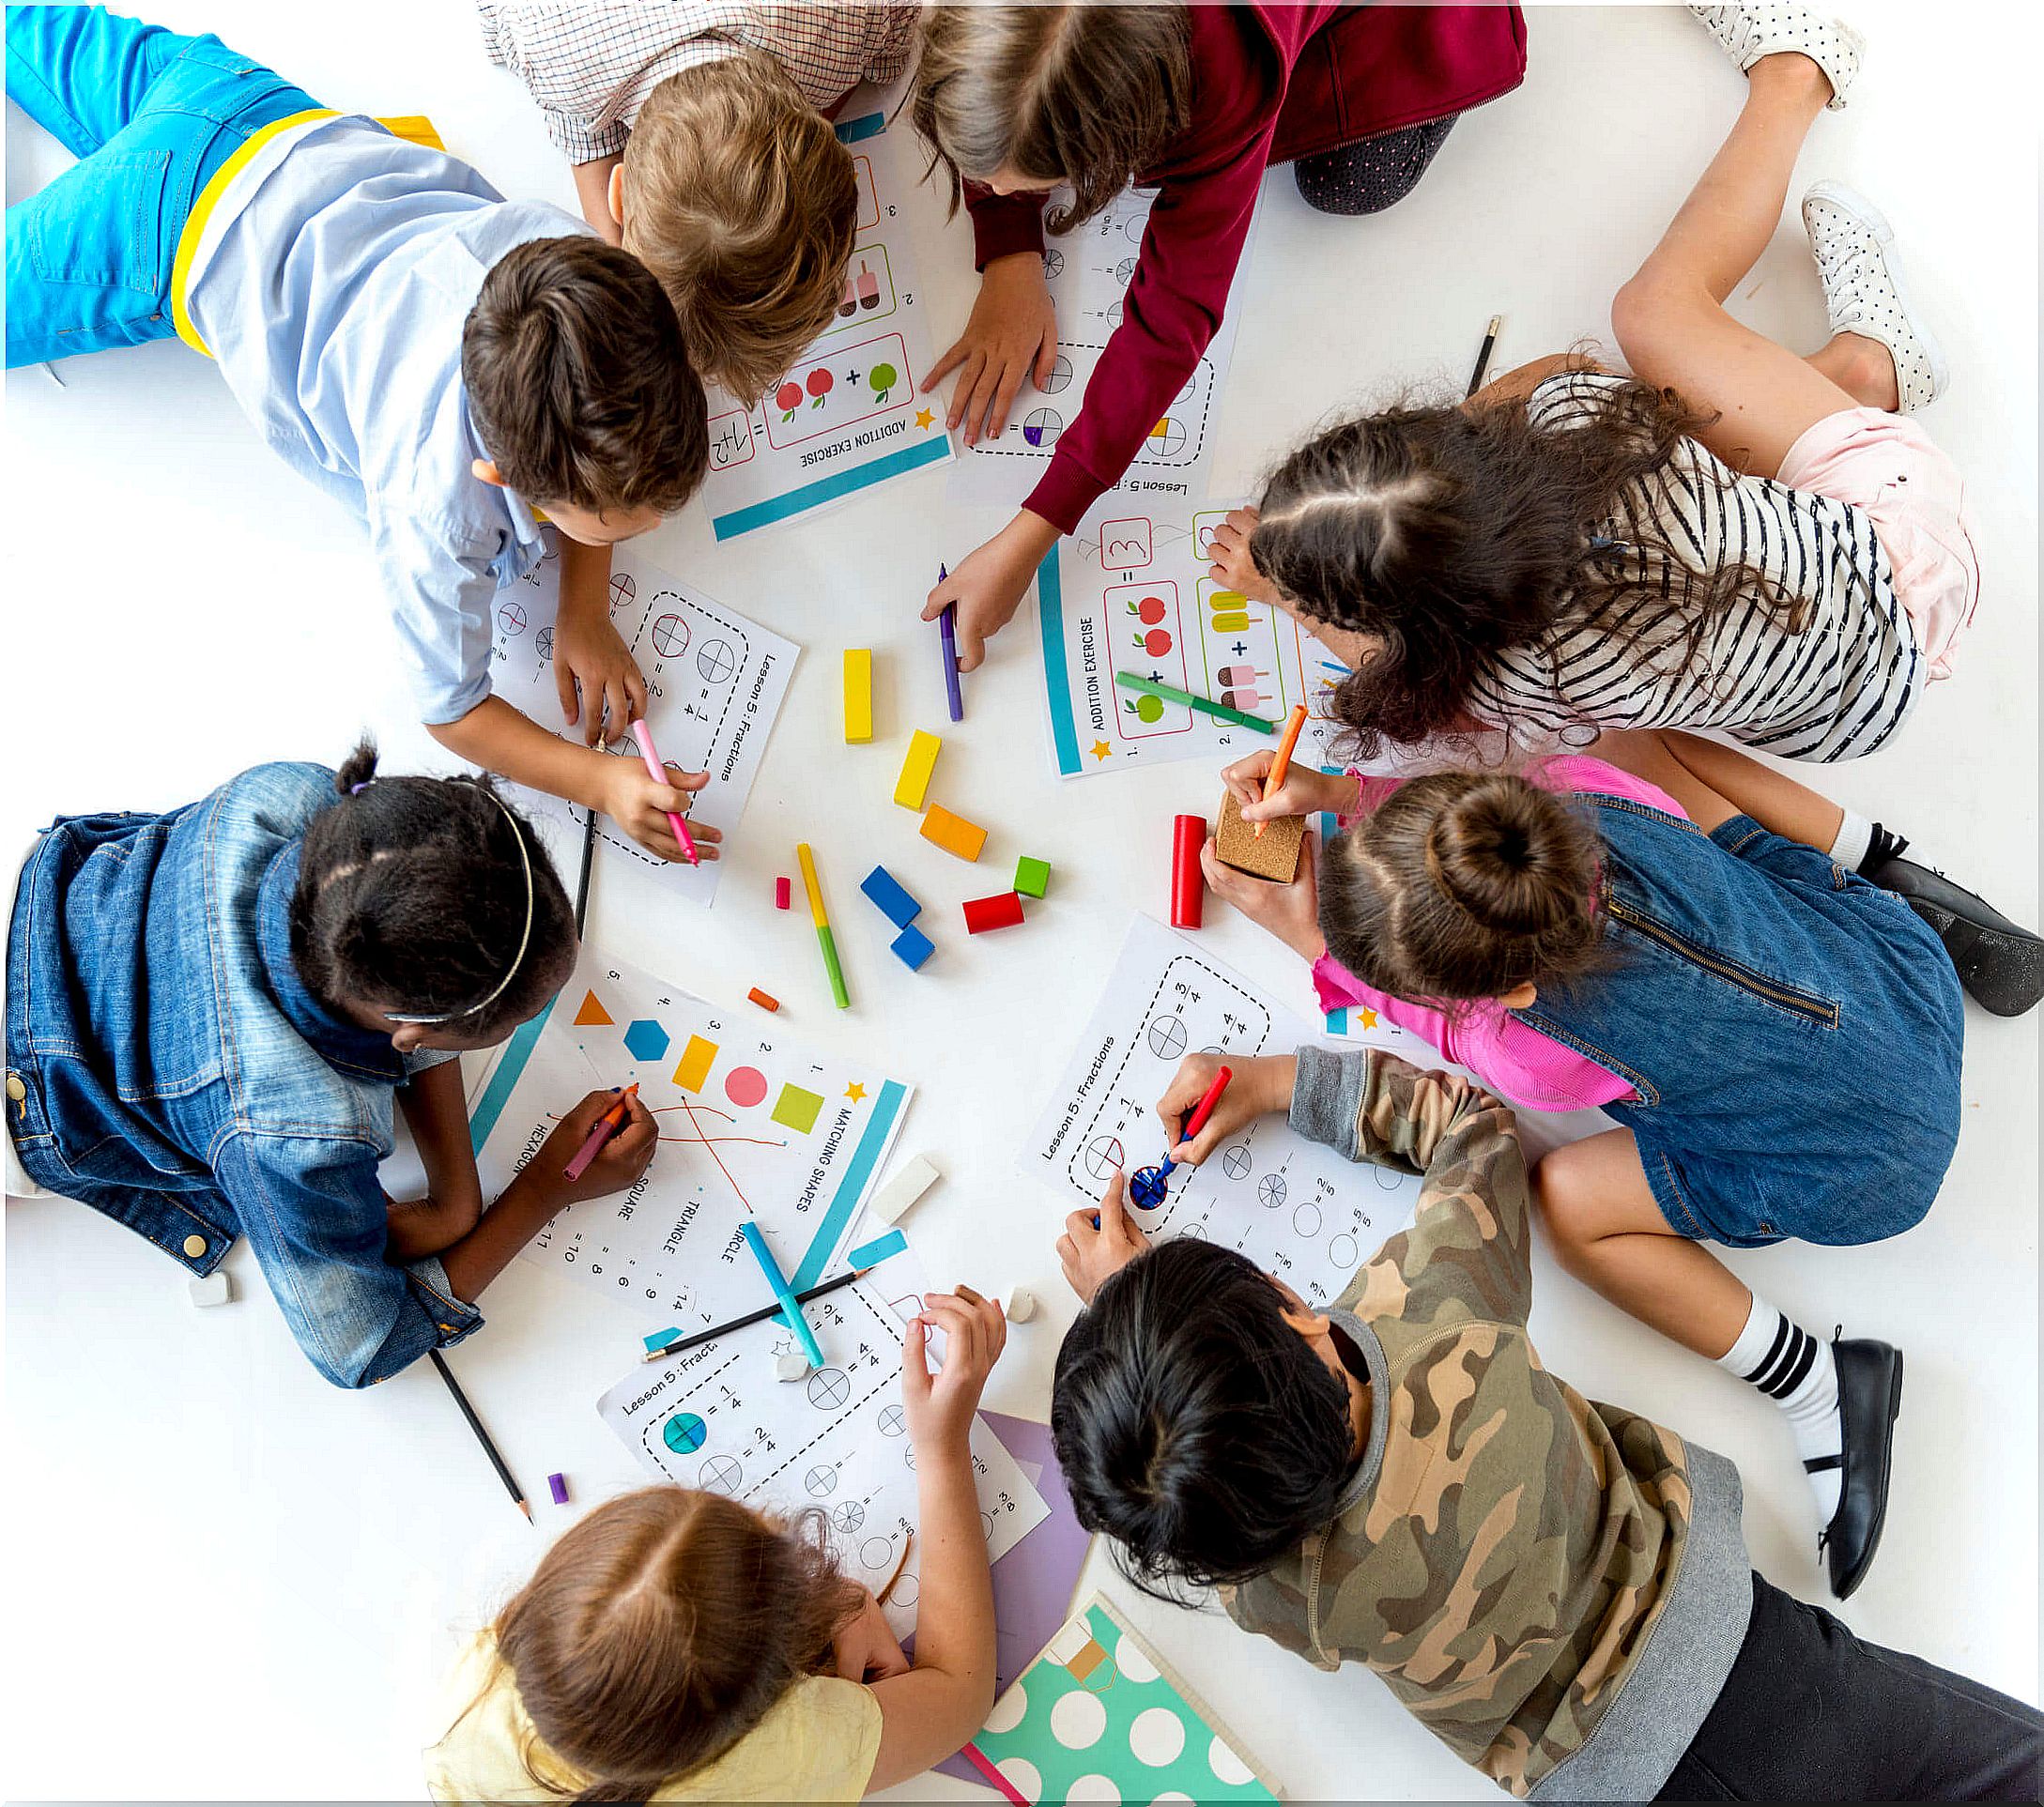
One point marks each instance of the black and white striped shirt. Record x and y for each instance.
(1834, 689)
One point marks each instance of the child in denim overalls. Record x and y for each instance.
(1638, 941)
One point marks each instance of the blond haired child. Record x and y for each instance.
(678, 1645)
(700, 140)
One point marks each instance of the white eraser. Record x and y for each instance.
(794, 1364)
(915, 1178)
(1018, 1305)
(212, 1288)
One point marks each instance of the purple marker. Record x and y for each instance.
(948, 632)
(557, 1486)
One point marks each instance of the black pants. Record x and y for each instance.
(1368, 176)
(1811, 1713)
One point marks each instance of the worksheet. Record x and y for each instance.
(847, 414)
(1134, 596)
(714, 682)
(1088, 270)
(718, 1418)
(750, 1127)
(1293, 1206)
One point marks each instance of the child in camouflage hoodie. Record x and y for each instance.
(1558, 1589)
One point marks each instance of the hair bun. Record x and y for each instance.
(1502, 851)
(357, 769)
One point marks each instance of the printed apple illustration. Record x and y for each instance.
(1151, 609)
(1157, 642)
(788, 398)
(1146, 708)
(882, 379)
(820, 381)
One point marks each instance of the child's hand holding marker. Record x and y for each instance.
(1303, 792)
(1289, 911)
(1261, 1085)
(641, 806)
(617, 1165)
(939, 1407)
(1097, 1243)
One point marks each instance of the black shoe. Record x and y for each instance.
(1869, 1396)
(2000, 963)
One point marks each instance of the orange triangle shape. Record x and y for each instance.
(591, 1012)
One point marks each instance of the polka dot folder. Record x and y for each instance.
(1100, 1716)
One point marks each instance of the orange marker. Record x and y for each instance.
(1274, 778)
(607, 1126)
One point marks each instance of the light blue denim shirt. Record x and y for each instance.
(331, 285)
(177, 1075)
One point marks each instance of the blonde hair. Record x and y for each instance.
(1088, 95)
(739, 198)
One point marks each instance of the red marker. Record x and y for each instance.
(1148, 1186)
(607, 1126)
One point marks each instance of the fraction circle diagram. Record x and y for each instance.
(684, 1432)
(543, 643)
(1124, 270)
(892, 1422)
(510, 618)
(821, 1479)
(829, 1388)
(721, 1474)
(1342, 1251)
(1234, 1163)
(875, 1551)
(716, 661)
(1167, 437)
(1135, 225)
(908, 1455)
(1167, 1038)
(623, 590)
(745, 1086)
(848, 1515)
(1387, 1177)
(670, 636)
(1306, 1219)
(1060, 376)
(1053, 265)
(986, 1525)
(905, 1590)
(1270, 1190)
(1041, 426)
(1103, 1155)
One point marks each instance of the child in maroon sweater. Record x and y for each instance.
(1197, 102)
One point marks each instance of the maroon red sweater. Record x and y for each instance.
(1269, 84)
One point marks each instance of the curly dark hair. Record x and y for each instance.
(1457, 534)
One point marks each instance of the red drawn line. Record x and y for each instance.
(685, 1105)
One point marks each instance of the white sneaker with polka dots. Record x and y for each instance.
(1750, 33)
(1854, 247)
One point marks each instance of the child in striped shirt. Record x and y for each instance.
(1735, 539)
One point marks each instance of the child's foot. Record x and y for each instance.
(1750, 33)
(2000, 963)
(1854, 247)
(1869, 1396)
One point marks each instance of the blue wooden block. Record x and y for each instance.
(912, 947)
(895, 903)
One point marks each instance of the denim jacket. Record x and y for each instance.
(176, 1075)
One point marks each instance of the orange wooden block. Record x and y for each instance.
(954, 834)
(763, 999)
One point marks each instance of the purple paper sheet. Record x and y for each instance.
(1034, 1583)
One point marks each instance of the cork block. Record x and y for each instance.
(954, 834)
(914, 783)
(1275, 857)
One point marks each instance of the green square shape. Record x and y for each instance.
(796, 1108)
(1032, 877)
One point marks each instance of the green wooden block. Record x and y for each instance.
(1032, 877)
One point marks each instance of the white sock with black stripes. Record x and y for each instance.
(1796, 1371)
(1848, 847)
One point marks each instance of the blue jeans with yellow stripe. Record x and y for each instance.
(150, 117)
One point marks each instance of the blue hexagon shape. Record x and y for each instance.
(645, 1039)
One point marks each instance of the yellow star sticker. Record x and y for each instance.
(854, 1090)
(1100, 750)
(923, 418)
(1369, 1017)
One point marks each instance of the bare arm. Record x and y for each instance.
(437, 1115)
(1727, 782)
(1517, 385)
(592, 195)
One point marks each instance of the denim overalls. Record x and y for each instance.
(1793, 1031)
(175, 1074)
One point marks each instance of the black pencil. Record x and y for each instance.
(581, 883)
(1483, 357)
(765, 1311)
(481, 1436)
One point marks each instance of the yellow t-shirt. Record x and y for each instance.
(819, 1741)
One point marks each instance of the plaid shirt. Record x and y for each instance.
(592, 67)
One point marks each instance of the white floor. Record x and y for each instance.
(225, 1580)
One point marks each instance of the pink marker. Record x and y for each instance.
(658, 773)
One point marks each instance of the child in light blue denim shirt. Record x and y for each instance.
(210, 1013)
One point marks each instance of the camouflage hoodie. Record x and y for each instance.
(1556, 1588)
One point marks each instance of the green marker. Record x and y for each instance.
(1206, 705)
(823, 936)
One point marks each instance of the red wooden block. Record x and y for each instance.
(982, 913)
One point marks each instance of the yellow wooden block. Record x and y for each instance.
(954, 834)
(858, 695)
(914, 783)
